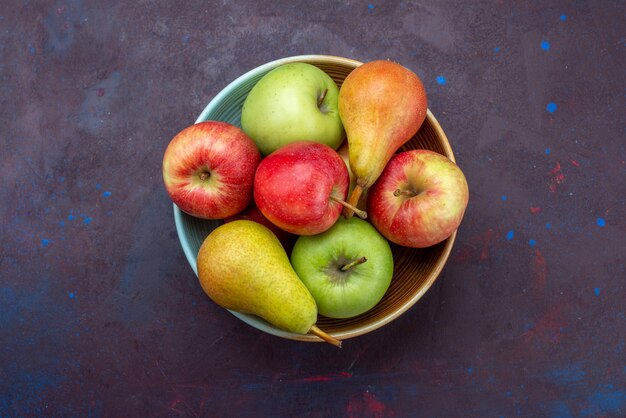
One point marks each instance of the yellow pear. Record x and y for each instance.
(382, 105)
(243, 267)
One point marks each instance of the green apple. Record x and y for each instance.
(347, 268)
(293, 102)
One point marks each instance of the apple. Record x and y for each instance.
(347, 269)
(252, 213)
(208, 169)
(293, 102)
(301, 187)
(419, 199)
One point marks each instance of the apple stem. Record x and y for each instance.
(353, 209)
(320, 99)
(329, 339)
(204, 175)
(352, 202)
(353, 263)
(408, 193)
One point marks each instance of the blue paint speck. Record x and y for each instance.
(601, 222)
(45, 242)
(441, 80)
(605, 401)
(98, 186)
(61, 179)
(532, 242)
(510, 235)
(71, 295)
(62, 223)
(561, 410)
(508, 393)
(545, 45)
(563, 18)
(547, 151)
(106, 194)
(370, 7)
(596, 291)
(470, 370)
(87, 220)
(551, 107)
(32, 50)
(496, 49)
(503, 197)
(185, 38)
(548, 225)
(572, 374)
(71, 217)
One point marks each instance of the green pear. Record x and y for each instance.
(382, 105)
(243, 267)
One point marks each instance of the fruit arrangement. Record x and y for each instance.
(308, 156)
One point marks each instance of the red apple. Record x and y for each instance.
(419, 200)
(252, 213)
(301, 187)
(208, 169)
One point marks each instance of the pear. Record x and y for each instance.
(344, 153)
(243, 267)
(382, 105)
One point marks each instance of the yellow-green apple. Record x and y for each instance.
(208, 169)
(293, 102)
(301, 187)
(347, 268)
(252, 213)
(419, 199)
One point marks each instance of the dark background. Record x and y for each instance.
(100, 314)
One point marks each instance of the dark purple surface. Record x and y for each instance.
(100, 314)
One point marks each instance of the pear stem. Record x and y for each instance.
(353, 263)
(329, 339)
(320, 99)
(408, 193)
(353, 201)
(360, 213)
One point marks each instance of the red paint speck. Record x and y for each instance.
(477, 248)
(535, 209)
(547, 327)
(556, 169)
(574, 163)
(366, 405)
(488, 237)
(557, 177)
(540, 270)
(100, 92)
(321, 378)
